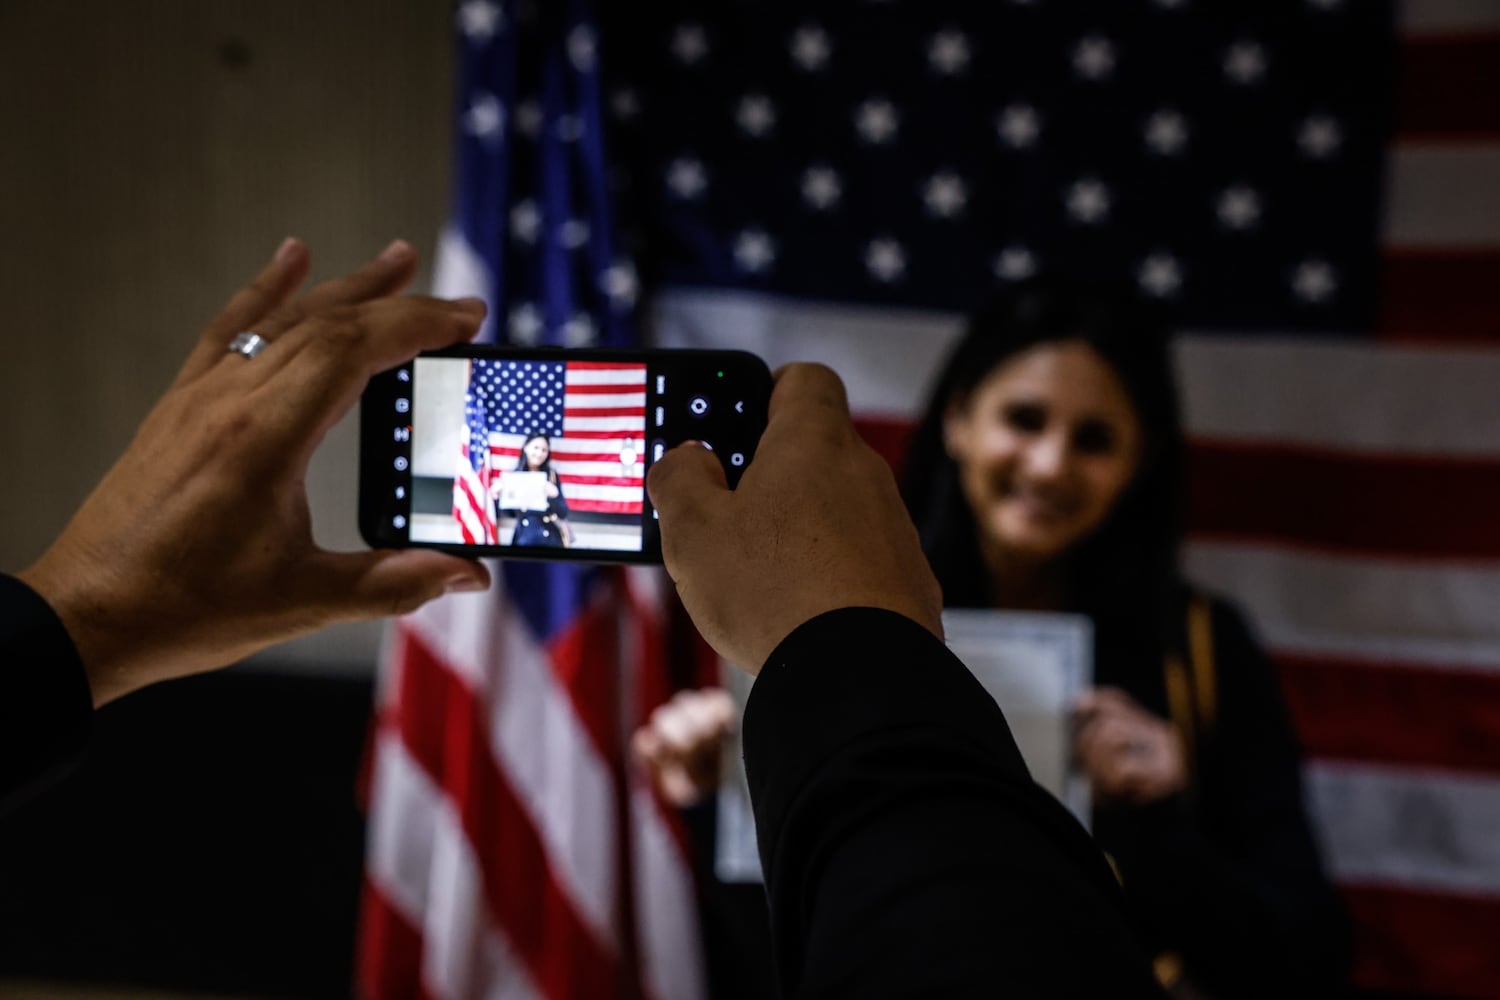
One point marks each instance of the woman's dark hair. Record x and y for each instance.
(1125, 573)
(546, 466)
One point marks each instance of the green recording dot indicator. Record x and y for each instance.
(720, 374)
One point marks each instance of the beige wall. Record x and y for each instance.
(152, 155)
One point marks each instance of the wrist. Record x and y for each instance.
(78, 599)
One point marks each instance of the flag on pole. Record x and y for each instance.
(512, 850)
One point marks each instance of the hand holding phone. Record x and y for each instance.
(817, 525)
(543, 453)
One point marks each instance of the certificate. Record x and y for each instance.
(1034, 666)
(523, 491)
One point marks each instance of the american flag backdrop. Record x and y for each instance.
(594, 415)
(1314, 183)
(512, 852)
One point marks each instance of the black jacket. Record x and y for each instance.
(46, 708)
(907, 851)
(1225, 877)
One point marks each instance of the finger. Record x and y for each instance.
(1098, 746)
(349, 586)
(680, 730)
(388, 273)
(385, 275)
(806, 386)
(705, 713)
(1101, 706)
(248, 306)
(1113, 697)
(686, 487)
(719, 709)
(807, 399)
(646, 746)
(1116, 779)
(679, 788)
(1116, 736)
(320, 368)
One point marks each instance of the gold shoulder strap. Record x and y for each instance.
(1201, 656)
(1191, 689)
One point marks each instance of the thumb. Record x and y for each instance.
(685, 486)
(356, 585)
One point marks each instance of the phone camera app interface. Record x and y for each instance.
(528, 453)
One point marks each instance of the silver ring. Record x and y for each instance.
(248, 344)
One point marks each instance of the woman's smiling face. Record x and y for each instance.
(1045, 445)
(536, 452)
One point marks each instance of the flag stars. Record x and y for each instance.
(620, 283)
(525, 324)
(1314, 281)
(948, 52)
(525, 221)
(1319, 137)
(580, 331)
(810, 48)
(480, 20)
(485, 119)
(689, 44)
(756, 115)
(1245, 62)
(1238, 207)
(885, 260)
(625, 104)
(821, 187)
(754, 251)
(583, 49)
(877, 120)
(1015, 263)
(529, 118)
(687, 178)
(1094, 57)
(1088, 201)
(1166, 132)
(945, 195)
(1160, 275)
(573, 234)
(1019, 125)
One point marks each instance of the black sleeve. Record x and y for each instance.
(907, 851)
(559, 503)
(46, 708)
(1233, 881)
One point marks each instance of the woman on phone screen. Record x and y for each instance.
(541, 527)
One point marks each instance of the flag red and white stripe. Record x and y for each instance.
(1347, 494)
(600, 457)
(472, 508)
(512, 851)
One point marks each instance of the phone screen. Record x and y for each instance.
(544, 454)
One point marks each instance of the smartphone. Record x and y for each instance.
(542, 453)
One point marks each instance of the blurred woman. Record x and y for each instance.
(1046, 475)
(541, 527)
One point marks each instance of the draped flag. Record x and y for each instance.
(1312, 182)
(512, 852)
